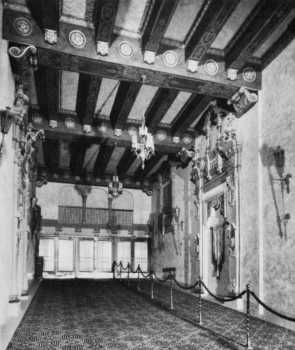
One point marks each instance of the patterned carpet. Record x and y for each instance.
(221, 320)
(83, 314)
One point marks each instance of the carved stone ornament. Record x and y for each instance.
(50, 36)
(87, 128)
(23, 26)
(77, 39)
(232, 74)
(149, 57)
(53, 123)
(192, 66)
(102, 48)
(243, 100)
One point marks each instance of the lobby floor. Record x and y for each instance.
(88, 314)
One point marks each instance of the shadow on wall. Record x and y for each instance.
(273, 157)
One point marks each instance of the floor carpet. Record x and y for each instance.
(219, 319)
(83, 314)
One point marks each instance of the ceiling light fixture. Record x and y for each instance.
(115, 187)
(143, 143)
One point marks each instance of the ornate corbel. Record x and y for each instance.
(243, 100)
(24, 57)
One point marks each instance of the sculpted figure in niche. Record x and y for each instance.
(35, 223)
(215, 225)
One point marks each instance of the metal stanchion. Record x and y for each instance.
(248, 318)
(152, 286)
(171, 293)
(120, 272)
(114, 270)
(128, 275)
(200, 303)
(138, 275)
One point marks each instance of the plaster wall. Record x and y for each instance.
(178, 249)
(278, 129)
(6, 183)
(54, 194)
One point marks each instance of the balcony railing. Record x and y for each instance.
(69, 215)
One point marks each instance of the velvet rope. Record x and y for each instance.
(268, 308)
(222, 300)
(180, 285)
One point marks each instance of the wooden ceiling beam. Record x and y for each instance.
(77, 155)
(46, 14)
(65, 56)
(125, 98)
(126, 161)
(158, 107)
(190, 112)
(48, 86)
(51, 151)
(158, 22)
(63, 176)
(260, 24)
(283, 41)
(103, 159)
(208, 24)
(106, 11)
(88, 89)
(140, 173)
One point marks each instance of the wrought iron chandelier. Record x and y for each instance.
(115, 187)
(143, 143)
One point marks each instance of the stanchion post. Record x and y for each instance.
(128, 274)
(120, 272)
(114, 270)
(171, 292)
(138, 275)
(200, 302)
(248, 318)
(152, 286)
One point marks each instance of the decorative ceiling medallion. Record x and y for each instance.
(126, 49)
(211, 67)
(249, 74)
(170, 58)
(77, 39)
(23, 26)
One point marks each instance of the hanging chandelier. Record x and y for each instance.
(115, 187)
(143, 143)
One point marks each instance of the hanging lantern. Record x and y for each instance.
(115, 187)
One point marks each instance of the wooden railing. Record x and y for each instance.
(94, 216)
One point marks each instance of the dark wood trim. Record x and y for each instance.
(284, 40)
(125, 98)
(77, 154)
(191, 111)
(50, 14)
(88, 90)
(105, 19)
(260, 24)
(51, 151)
(158, 22)
(208, 24)
(159, 105)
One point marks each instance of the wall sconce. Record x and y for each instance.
(284, 180)
(6, 118)
(279, 158)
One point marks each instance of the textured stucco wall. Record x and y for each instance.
(178, 249)
(278, 129)
(54, 194)
(6, 183)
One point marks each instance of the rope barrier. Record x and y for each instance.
(268, 308)
(180, 285)
(222, 300)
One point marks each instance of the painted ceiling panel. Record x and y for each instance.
(130, 16)
(90, 157)
(233, 24)
(115, 158)
(178, 27)
(69, 89)
(143, 99)
(107, 85)
(75, 8)
(176, 106)
(275, 36)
